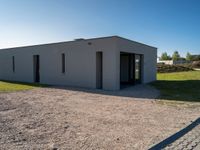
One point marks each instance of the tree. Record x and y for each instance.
(188, 57)
(164, 56)
(176, 56)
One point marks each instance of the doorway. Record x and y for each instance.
(99, 70)
(36, 68)
(130, 69)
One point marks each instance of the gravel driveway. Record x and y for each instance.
(71, 118)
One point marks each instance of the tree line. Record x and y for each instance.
(176, 56)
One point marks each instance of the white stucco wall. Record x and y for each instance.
(1, 67)
(149, 57)
(80, 62)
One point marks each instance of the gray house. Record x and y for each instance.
(105, 63)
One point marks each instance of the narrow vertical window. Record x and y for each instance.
(13, 63)
(63, 63)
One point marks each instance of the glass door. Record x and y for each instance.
(138, 68)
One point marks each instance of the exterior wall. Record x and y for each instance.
(1, 67)
(167, 62)
(80, 63)
(175, 62)
(149, 57)
(172, 62)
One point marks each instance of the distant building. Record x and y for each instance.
(172, 62)
(103, 63)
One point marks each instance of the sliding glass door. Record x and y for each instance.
(138, 68)
(130, 69)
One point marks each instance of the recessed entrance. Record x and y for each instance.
(36, 68)
(130, 69)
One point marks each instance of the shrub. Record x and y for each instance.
(172, 68)
(195, 64)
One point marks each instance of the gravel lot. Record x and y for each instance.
(71, 118)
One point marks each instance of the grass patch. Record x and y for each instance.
(180, 104)
(181, 86)
(7, 86)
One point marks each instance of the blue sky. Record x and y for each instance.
(168, 25)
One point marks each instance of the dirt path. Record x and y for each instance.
(73, 119)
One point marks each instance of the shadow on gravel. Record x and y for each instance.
(138, 91)
(176, 136)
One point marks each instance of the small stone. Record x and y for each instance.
(23, 139)
(193, 144)
(180, 146)
(189, 147)
(66, 127)
(54, 147)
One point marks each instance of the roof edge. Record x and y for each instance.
(97, 38)
(57, 42)
(135, 41)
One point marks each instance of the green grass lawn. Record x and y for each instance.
(6, 86)
(181, 86)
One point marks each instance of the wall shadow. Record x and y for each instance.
(183, 90)
(175, 136)
(141, 91)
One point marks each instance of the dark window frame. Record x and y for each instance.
(63, 59)
(13, 64)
